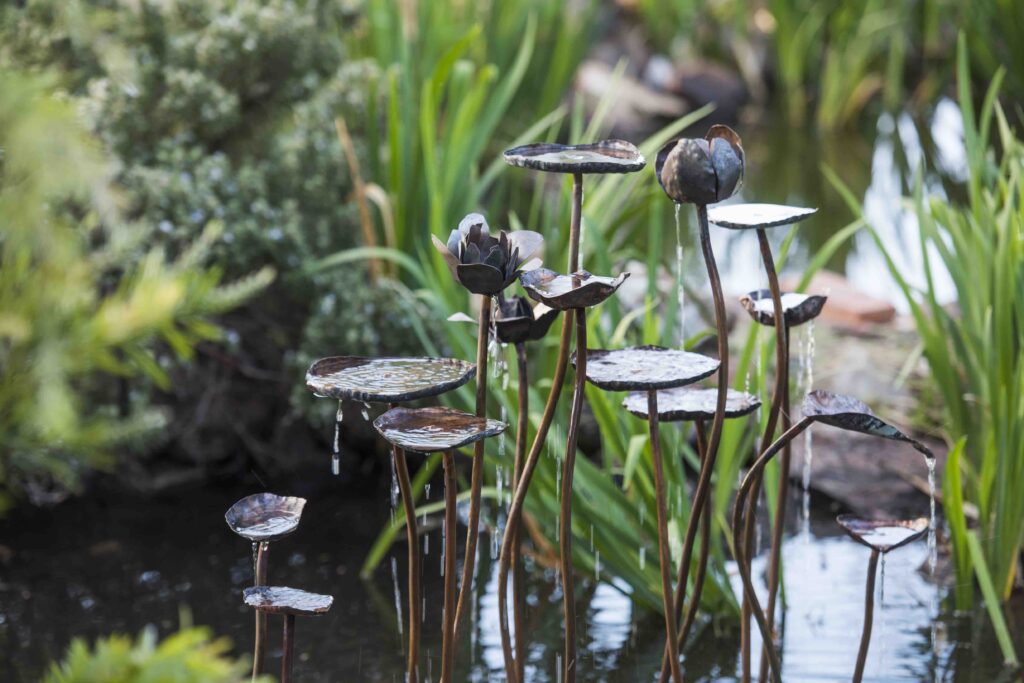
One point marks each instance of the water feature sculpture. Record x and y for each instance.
(262, 518)
(882, 536)
(444, 430)
(289, 603)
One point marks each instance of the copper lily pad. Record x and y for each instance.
(606, 156)
(644, 368)
(746, 216)
(796, 308)
(427, 430)
(847, 412)
(283, 600)
(386, 380)
(561, 292)
(686, 404)
(265, 516)
(883, 535)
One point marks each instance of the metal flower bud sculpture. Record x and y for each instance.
(484, 265)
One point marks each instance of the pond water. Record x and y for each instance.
(98, 566)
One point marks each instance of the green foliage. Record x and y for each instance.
(73, 313)
(189, 656)
(975, 350)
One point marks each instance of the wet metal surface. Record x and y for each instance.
(517, 321)
(746, 216)
(643, 368)
(481, 262)
(428, 430)
(265, 516)
(561, 292)
(796, 308)
(701, 170)
(883, 535)
(386, 380)
(684, 404)
(847, 412)
(606, 156)
(284, 600)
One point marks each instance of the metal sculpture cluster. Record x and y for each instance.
(663, 386)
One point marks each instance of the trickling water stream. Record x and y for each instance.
(336, 446)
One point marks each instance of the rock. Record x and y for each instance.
(847, 306)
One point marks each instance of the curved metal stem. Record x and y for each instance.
(260, 646)
(705, 546)
(779, 524)
(450, 526)
(704, 481)
(869, 615)
(739, 552)
(780, 389)
(518, 580)
(664, 556)
(412, 539)
(477, 476)
(565, 515)
(515, 511)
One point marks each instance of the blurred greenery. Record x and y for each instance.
(188, 656)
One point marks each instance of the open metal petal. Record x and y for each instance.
(543, 317)
(796, 308)
(643, 368)
(450, 258)
(513, 330)
(480, 278)
(527, 242)
(428, 430)
(605, 156)
(747, 216)
(562, 292)
(265, 516)
(690, 404)
(685, 172)
(883, 535)
(386, 380)
(284, 600)
(847, 412)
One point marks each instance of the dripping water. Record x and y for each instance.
(336, 449)
(931, 518)
(807, 383)
(597, 565)
(255, 553)
(680, 290)
(398, 594)
(366, 411)
(881, 613)
(643, 557)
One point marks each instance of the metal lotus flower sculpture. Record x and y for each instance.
(483, 263)
(517, 322)
(701, 171)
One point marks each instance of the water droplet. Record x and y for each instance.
(398, 593)
(336, 450)
(643, 557)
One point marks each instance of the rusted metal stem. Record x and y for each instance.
(260, 646)
(779, 524)
(515, 511)
(565, 516)
(781, 385)
(739, 551)
(708, 466)
(869, 615)
(664, 556)
(705, 547)
(477, 476)
(415, 605)
(518, 599)
(288, 648)
(450, 526)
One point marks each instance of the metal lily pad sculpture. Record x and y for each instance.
(648, 369)
(482, 263)
(391, 381)
(262, 518)
(702, 171)
(882, 536)
(602, 157)
(606, 156)
(797, 309)
(835, 410)
(517, 322)
(290, 603)
(576, 291)
(429, 430)
(747, 216)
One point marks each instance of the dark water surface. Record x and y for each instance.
(93, 567)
